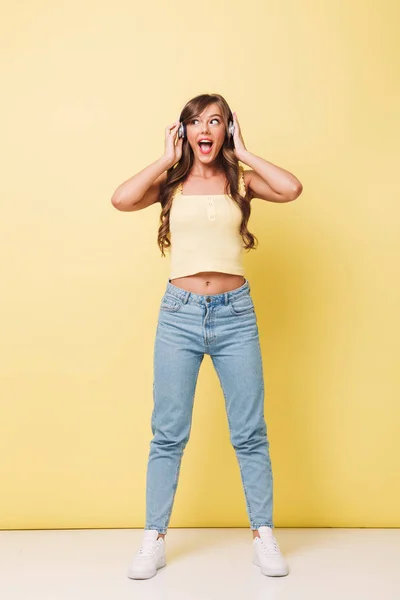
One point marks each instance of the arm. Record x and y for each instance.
(268, 181)
(265, 180)
(143, 189)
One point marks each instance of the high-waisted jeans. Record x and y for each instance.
(225, 327)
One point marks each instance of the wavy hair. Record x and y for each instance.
(226, 159)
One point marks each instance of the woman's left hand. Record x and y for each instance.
(240, 149)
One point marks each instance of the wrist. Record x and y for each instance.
(243, 155)
(166, 162)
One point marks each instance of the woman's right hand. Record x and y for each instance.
(173, 151)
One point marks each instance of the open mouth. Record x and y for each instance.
(205, 147)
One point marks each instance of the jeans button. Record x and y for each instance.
(208, 299)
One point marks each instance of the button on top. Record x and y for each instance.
(208, 299)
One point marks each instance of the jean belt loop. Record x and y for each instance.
(226, 301)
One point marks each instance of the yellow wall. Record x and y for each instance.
(88, 89)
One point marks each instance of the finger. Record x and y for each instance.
(175, 124)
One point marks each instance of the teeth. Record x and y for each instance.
(205, 142)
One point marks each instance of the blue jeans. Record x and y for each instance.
(225, 327)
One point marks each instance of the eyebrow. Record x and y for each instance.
(214, 115)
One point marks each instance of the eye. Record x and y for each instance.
(213, 119)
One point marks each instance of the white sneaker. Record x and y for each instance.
(149, 557)
(266, 554)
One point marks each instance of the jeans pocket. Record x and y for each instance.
(170, 303)
(242, 305)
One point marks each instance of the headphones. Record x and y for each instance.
(182, 130)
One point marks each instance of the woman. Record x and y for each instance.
(207, 309)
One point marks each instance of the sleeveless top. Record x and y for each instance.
(204, 233)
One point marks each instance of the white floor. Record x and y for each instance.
(202, 564)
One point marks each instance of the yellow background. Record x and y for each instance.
(87, 91)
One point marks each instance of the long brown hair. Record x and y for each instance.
(226, 159)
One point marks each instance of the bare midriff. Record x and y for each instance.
(209, 282)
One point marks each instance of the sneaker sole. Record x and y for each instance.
(145, 575)
(264, 570)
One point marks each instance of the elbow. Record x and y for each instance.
(116, 201)
(122, 204)
(294, 192)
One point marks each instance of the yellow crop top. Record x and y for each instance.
(204, 232)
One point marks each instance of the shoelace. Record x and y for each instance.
(270, 545)
(148, 548)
